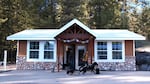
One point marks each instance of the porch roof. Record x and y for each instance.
(100, 34)
(34, 34)
(116, 34)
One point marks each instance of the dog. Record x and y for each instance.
(86, 68)
(70, 71)
(83, 69)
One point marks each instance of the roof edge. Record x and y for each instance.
(74, 21)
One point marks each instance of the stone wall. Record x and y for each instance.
(128, 65)
(21, 64)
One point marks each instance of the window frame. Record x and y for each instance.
(101, 50)
(116, 50)
(109, 51)
(41, 52)
(34, 50)
(48, 50)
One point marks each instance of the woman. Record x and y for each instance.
(85, 58)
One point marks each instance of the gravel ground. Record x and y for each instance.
(42, 77)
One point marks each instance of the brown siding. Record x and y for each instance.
(22, 48)
(91, 50)
(59, 53)
(129, 48)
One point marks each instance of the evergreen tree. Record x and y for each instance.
(74, 9)
(139, 15)
(13, 19)
(145, 22)
(105, 14)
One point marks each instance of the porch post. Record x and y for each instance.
(91, 50)
(58, 54)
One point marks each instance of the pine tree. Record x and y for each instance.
(71, 9)
(13, 19)
(139, 18)
(105, 14)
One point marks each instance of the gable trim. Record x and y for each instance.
(69, 24)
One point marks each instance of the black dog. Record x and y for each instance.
(86, 68)
(93, 67)
(70, 71)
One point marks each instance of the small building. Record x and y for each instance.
(112, 49)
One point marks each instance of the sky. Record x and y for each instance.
(138, 6)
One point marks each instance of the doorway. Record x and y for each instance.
(73, 55)
(80, 51)
(69, 57)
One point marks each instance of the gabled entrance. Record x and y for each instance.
(72, 43)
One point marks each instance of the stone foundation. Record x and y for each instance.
(128, 65)
(22, 64)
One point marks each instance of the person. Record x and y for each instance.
(85, 58)
(71, 59)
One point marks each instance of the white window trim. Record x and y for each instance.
(41, 53)
(134, 48)
(18, 48)
(109, 52)
(103, 50)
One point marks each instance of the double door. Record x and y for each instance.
(73, 55)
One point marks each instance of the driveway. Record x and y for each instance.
(42, 77)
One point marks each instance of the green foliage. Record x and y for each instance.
(145, 22)
(105, 14)
(74, 9)
(17, 15)
(139, 20)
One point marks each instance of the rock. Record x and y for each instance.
(128, 65)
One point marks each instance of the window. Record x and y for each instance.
(41, 51)
(110, 51)
(48, 50)
(116, 50)
(102, 50)
(34, 50)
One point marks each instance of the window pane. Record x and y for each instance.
(102, 54)
(49, 50)
(48, 55)
(102, 46)
(49, 45)
(117, 54)
(116, 46)
(34, 45)
(34, 54)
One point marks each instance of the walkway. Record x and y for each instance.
(42, 77)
